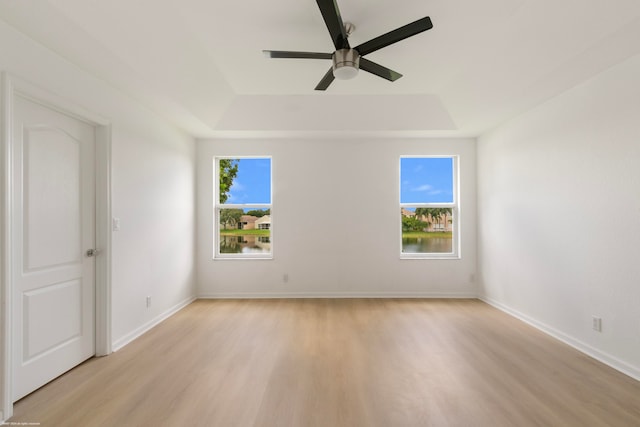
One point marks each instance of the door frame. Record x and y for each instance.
(10, 87)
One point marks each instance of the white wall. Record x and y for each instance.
(153, 185)
(154, 252)
(559, 216)
(335, 222)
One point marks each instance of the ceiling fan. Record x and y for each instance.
(347, 60)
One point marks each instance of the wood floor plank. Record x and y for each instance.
(339, 362)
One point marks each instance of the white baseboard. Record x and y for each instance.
(273, 295)
(118, 344)
(607, 359)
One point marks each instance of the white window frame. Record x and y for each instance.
(217, 207)
(455, 209)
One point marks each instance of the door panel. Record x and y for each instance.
(52, 185)
(52, 317)
(53, 226)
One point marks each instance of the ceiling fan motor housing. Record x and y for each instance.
(346, 63)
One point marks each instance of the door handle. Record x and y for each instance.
(92, 252)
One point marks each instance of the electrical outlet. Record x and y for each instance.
(596, 323)
(148, 302)
(285, 278)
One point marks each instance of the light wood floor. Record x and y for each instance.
(347, 362)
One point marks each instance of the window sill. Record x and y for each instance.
(429, 257)
(243, 258)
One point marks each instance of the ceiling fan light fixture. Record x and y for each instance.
(346, 63)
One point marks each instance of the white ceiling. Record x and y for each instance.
(200, 64)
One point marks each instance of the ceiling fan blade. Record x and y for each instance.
(379, 70)
(395, 36)
(331, 15)
(288, 54)
(326, 80)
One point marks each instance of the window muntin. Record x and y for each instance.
(243, 219)
(429, 207)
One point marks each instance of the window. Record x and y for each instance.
(429, 207)
(243, 219)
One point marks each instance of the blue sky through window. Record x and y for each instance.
(253, 182)
(426, 180)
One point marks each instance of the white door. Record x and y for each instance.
(53, 227)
